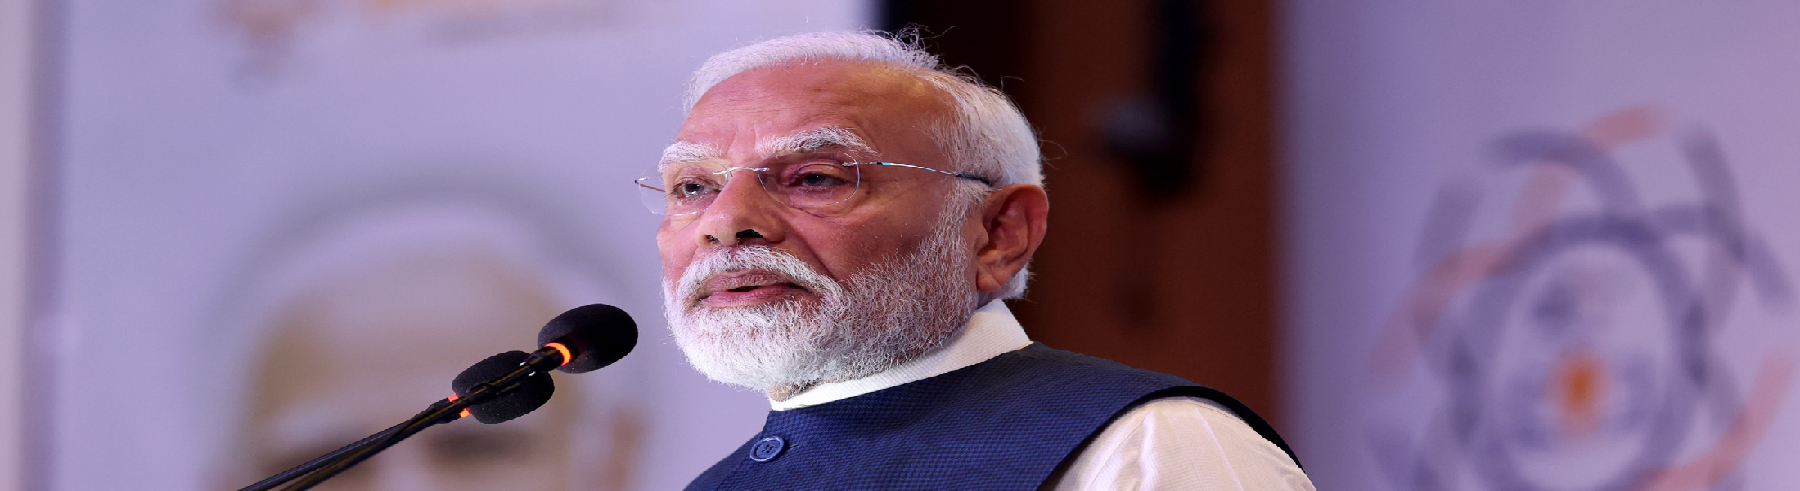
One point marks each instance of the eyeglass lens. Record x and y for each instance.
(811, 186)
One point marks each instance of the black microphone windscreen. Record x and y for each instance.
(597, 334)
(532, 393)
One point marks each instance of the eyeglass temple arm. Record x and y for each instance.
(971, 177)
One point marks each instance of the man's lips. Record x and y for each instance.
(746, 287)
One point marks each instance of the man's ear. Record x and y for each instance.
(1013, 223)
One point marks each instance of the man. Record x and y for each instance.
(842, 220)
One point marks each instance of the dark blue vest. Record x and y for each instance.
(1005, 423)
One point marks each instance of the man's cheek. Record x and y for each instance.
(674, 257)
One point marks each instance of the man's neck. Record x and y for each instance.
(783, 392)
(990, 332)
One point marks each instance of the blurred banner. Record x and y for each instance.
(1544, 245)
(286, 224)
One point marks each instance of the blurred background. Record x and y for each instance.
(1483, 245)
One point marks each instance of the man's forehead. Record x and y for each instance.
(820, 103)
(804, 141)
(826, 81)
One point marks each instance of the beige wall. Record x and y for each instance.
(15, 73)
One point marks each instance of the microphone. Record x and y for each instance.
(532, 392)
(589, 337)
(580, 340)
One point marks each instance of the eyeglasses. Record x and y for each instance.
(813, 186)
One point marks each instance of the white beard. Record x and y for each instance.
(899, 309)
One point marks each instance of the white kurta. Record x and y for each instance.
(1174, 443)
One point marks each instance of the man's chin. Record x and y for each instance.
(758, 346)
(734, 359)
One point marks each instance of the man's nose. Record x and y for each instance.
(742, 214)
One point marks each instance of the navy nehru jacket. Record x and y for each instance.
(1005, 423)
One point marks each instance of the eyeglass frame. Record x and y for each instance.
(759, 170)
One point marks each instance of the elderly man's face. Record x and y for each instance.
(900, 221)
(895, 208)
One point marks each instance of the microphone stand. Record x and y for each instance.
(439, 413)
(358, 448)
(311, 465)
(443, 411)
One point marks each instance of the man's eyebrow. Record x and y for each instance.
(812, 140)
(689, 152)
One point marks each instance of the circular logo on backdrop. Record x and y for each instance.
(1565, 333)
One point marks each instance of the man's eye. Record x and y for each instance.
(690, 189)
(821, 175)
(820, 180)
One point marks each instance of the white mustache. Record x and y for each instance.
(760, 258)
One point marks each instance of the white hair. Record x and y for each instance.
(985, 134)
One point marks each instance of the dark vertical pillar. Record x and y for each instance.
(989, 37)
(1159, 139)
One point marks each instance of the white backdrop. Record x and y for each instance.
(200, 136)
(1543, 245)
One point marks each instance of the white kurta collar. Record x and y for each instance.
(991, 332)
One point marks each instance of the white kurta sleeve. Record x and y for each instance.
(1181, 443)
